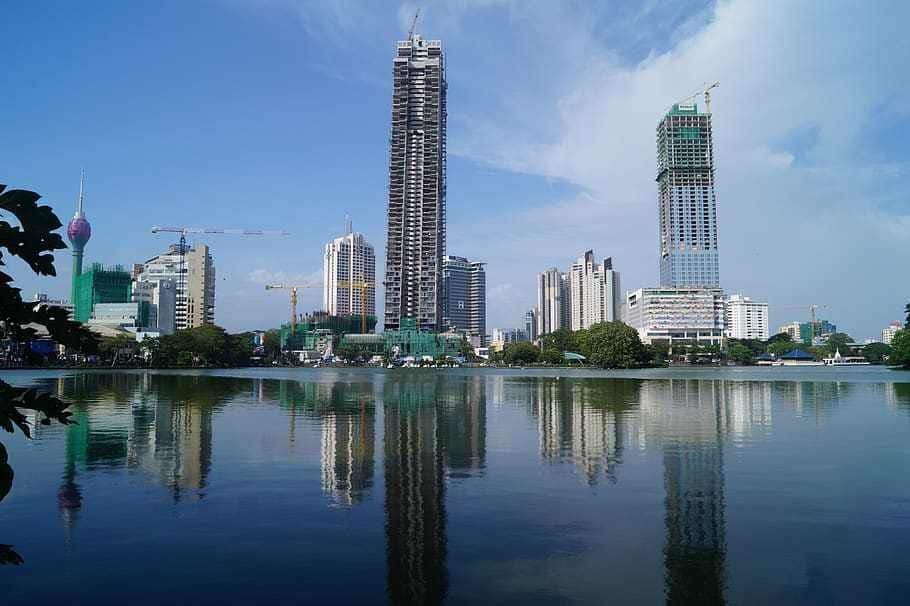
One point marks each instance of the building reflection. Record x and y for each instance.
(587, 421)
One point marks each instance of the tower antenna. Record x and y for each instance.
(413, 24)
(79, 212)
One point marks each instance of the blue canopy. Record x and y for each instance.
(797, 354)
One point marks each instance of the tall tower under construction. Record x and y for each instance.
(685, 183)
(78, 230)
(417, 186)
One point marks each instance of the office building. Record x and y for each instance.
(134, 316)
(746, 319)
(417, 186)
(531, 323)
(195, 283)
(553, 301)
(78, 231)
(889, 331)
(792, 329)
(685, 183)
(161, 296)
(508, 335)
(671, 315)
(349, 276)
(595, 294)
(465, 298)
(99, 284)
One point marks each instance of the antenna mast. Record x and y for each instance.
(79, 212)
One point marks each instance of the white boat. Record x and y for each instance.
(839, 360)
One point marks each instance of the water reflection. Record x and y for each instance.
(434, 442)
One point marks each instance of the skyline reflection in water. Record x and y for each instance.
(392, 446)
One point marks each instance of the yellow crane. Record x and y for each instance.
(363, 286)
(704, 91)
(293, 288)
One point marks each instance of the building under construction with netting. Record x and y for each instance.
(100, 284)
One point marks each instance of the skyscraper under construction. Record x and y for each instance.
(417, 186)
(688, 216)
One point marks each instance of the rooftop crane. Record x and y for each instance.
(413, 24)
(293, 288)
(704, 91)
(362, 286)
(183, 231)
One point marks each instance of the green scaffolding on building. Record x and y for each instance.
(316, 330)
(408, 341)
(100, 284)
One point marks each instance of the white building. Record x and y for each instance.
(130, 316)
(595, 294)
(889, 331)
(194, 283)
(746, 319)
(508, 335)
(553, 301)
(348, 260)
(44, 301)
(793, 329)
(161, 294)
(677, 314)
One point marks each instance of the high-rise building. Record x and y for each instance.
(746, 319)
(349, 260)
(595, 292)
(670, 315)
(99, 285)
(161, 295)
(417, 186)
(464, 298)
(79, 231)
(531, 323)
(889, 331)
(195, 283)
(685, 183)
(553, 301)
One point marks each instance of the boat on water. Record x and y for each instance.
(839, 360)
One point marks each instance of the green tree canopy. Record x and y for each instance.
(615, 345)
(521, 352)
(739, 353)
(900, 349)
(780, 337)
(876, 352)
(562, 339)
(551, 355)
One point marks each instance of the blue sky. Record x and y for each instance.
(274, 114)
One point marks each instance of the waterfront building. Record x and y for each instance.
(417, 186)
(78, 231)
(99, 284)
(161, 295)
(889, 331)
(195, 283)
(746, 319)
(531, 323)
(670, 315)
(553, 301)
(43, 300)
(595, 294)
(685, 183)
(465, 298)
(349, 260)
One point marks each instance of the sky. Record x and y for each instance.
(275, 114)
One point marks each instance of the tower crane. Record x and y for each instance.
(413, 24)
(293, 288)
(363, 286)
(813, 309)
(704, 91)
(183, 231)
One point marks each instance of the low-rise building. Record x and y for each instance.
(745, 318)
(133, 316)
(670, 315)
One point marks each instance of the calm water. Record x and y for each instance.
(767, 486)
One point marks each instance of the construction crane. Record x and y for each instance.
(813, 309)
(183, 231)
(363, 286)
(293, 288)
(704, 91)
(413, 24)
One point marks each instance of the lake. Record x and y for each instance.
(702, 486)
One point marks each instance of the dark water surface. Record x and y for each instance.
(770, 486)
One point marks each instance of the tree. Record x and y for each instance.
(839, 341)
(521, 352)
(615, 345)
(739, 353)
(271, 343)
(551, 355)
(876, 352)
(900, 349)
(780, 348)
(562, 339)
(33, 241)
(781, 337)
(349, 352)
(658, 354)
